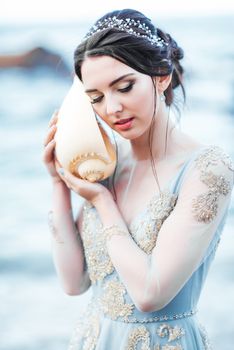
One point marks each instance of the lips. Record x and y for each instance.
(124, 124)
(123, 121)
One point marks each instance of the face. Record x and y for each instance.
(120, 95)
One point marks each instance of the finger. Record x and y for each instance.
(62, 176)
(49, 137)
(48, 154)
(57, 163)
(54, 118)
(70, 178)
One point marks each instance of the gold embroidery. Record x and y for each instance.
(147, 241)
(113, 230)
(87, 330)
(162, 205)
(216, 183)
(213, 156)
(139, 335)
(205, 206)
(168, 347)
(205, 339)
(97, 257)
(172, 347)
(172, 333)
(112, 301)
(159, 209)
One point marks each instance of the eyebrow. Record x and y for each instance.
(113, 82)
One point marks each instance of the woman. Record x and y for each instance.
(146, 239)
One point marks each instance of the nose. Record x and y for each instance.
(113, 105)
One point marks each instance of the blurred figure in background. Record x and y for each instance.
(36, 57)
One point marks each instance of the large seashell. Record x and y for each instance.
(82, 145)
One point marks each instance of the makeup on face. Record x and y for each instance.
(125, 86)
(121, 96)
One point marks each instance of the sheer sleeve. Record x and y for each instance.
(186, 234)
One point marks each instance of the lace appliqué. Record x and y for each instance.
(205, 339)
(169, 347)
(97, 257)
(139, 336)
(87, 330)
(172, 333)
(112, 300)
(212, 156)
(159, 209)
(205, 206)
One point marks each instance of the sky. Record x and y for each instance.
(29, 11)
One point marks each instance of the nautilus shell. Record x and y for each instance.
(83, 146)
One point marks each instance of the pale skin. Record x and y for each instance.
(111, 104)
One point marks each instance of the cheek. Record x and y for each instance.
(101, 114)
(144, 103)
(98, 111)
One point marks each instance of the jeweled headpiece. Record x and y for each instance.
(129, 26)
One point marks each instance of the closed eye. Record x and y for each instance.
(127, 88)
(97, 99)
(122, 90)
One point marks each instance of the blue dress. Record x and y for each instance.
(112, 321)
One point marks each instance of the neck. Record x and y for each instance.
(161, 131)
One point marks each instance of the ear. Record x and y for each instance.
(162, 83)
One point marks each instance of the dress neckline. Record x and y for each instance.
(166, 188)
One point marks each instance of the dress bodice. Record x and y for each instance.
(110, 297)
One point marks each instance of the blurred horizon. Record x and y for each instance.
(53, 11)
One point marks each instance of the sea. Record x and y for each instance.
(35, 313)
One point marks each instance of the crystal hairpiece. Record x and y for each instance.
(129, 26)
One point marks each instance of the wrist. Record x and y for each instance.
(103, 198)
(57, 182)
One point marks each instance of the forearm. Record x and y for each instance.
(131, 263)
(67, 247)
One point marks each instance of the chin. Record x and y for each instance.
(135, 134)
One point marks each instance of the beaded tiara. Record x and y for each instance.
(129, 26)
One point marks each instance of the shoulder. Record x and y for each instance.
(215, 169)
(210, 160)
(212, 157)
(208, 183)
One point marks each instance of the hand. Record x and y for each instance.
(91, 191)
(49, 147)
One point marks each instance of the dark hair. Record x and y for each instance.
(136, 52)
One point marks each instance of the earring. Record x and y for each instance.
(162, 97)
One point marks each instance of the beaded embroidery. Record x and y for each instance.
(97, 257)
(112, 300)
(161, 318)
(87, 330)
(159, 209)
(212, 156)
(139, 335)
(205, 206)
(172, 333)
(169, 347)
(205, 339)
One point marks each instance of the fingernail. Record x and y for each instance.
(61, 171)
